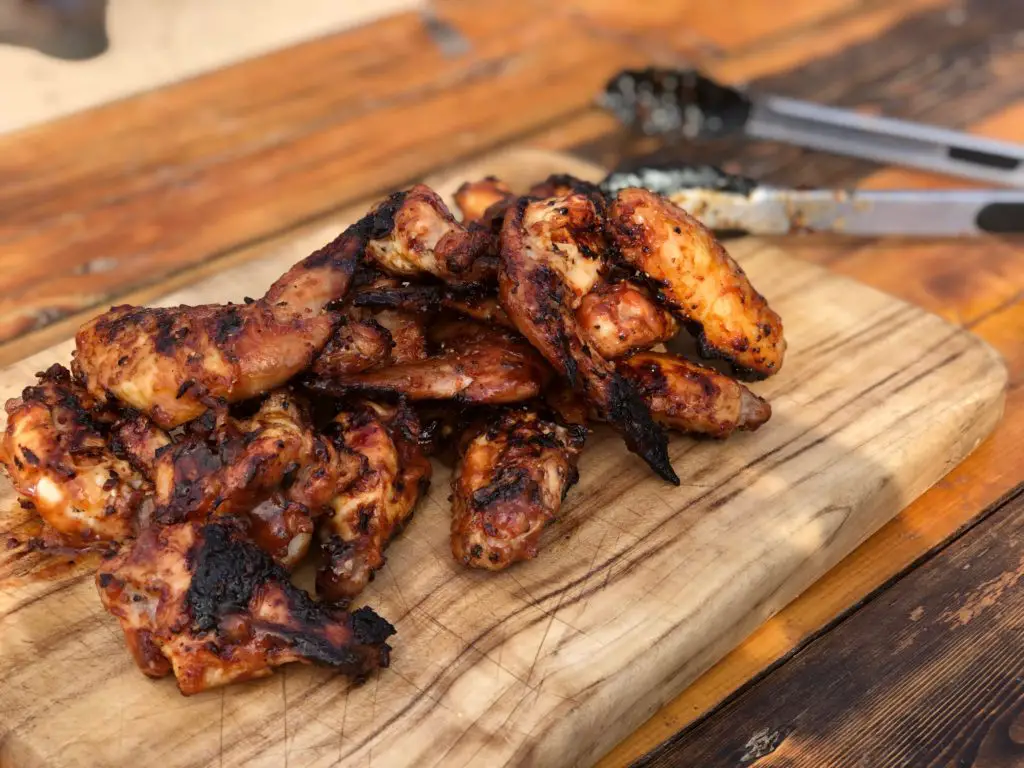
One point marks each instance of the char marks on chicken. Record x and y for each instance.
(215, 444)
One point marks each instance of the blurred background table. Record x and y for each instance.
(227, 143)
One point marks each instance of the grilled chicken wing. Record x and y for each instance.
(271, 469)
(365, 340)
(207, 605)
(618, 318)
(479, 304)
(691, 398)
(699, 280)
(475, 364)
(509, 483)
(416, 234)
(562, 184)
(171, 364)
(551, 258)
(368, 512)
(483, 201)
(57, 455)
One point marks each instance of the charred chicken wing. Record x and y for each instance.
(366, 339)
(509, 483)
(173, 363)
(618, 318)
(483, 201)
(551, 257)
(699, 280)
(474, 364)
(58, 458)
(202, 602)
(416, 234)
(370, 510)
(271, 469)
(691, 398)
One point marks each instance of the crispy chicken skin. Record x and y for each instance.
(271, 469)
(56, 453)
(699, 280)
(209, 606)
(481, 201)
(551, 258)
(365, 340)
(691, 398)
(618, 318)
(479, 303)
(509, 483)
(171, 364)
(424, 238)
(474, 364)
(562, 184)
(368, 512)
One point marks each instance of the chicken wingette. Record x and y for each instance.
(174, 363)
(473, 364)
(700, 281)
(206, 604)
(691, 398)
(552, 255)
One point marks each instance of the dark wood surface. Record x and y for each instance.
(131, 199)
(930, 672)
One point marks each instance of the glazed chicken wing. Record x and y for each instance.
(484, 201)
(271, 469)
(371, 509)
(475, 364)
(699, 280)
(618, 318)
(509, 483)
(173, 363)
(692, 398)
(57, 456)
(416, 234)
(365, 340)
(551, 258)
(209, 606)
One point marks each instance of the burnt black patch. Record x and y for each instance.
(509, 484)
(229, 323)
(629, 413)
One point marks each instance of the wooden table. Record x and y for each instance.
(909, 650)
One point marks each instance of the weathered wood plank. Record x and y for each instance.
(926, 674)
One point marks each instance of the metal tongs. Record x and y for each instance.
(659, 101)
(734, 204)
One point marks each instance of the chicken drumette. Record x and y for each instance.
(204, 603)
(55, 450)
(372, 507)
(512, 475)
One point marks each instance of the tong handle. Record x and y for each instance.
(886, 140)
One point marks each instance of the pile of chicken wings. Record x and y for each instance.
(211, 447)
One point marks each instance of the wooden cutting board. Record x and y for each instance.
(639, 587)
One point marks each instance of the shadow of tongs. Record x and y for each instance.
(684, 102)
(737, 205)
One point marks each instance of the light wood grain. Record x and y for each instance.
(158, 42)
(640, 587)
